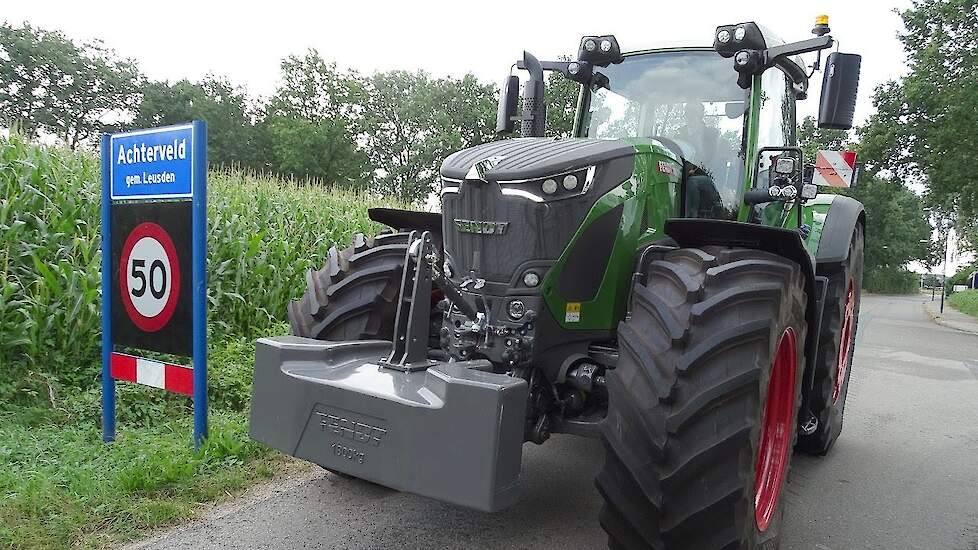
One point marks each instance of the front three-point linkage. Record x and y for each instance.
(412, 320)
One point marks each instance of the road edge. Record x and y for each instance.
(296, 474)
(939, 319)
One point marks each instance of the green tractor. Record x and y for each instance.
(667, 280)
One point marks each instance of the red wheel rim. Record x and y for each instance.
(845, 344)
(776, 429)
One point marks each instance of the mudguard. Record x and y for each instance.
(698, 232)
(407, 220)
(843, 215)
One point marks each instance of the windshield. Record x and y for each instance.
(690, 101)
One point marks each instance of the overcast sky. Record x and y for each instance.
(246, 40)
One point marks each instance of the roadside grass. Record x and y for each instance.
(965, 301)
(60, 486)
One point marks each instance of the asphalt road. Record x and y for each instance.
(903, 475)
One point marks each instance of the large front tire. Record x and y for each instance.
(354, 296)
(703, 402)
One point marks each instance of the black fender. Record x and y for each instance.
(698, 232)
(840, 222)
(408, 220)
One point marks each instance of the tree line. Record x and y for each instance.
(387, 132)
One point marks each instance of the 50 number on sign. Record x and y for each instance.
(149, 277)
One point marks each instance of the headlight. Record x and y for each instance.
(740, 33)
(560, 186)
(723, 36)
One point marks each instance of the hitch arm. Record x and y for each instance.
(410, 345)
(454, 295)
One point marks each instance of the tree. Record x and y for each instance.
(411, 122)
(318, 149)
(48, 84)
(313, 89)
(924, 127)
(896, 222)
(813, 139)
(308, 126)
(231, 133)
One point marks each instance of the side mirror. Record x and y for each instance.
(839, 86)
(509, 97)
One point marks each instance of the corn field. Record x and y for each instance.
(263, 234)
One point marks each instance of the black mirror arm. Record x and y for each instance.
(800, 47)
(546, 65)
(779, 56)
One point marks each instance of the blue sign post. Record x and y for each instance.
(154, 227)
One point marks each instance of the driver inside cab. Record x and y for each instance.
(701, 146)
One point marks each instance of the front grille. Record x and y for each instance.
(533, 231)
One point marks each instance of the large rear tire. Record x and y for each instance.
(354, 296)
(836, 343)
(703, 402)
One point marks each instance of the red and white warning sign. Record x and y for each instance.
(149, 276)
(834, 168)
(175, 378)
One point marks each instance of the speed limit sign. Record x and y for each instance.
(149, 276)
(151, 252)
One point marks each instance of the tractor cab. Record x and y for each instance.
(728, 126)
(689, 101)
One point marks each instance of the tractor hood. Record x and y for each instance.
(497, 219)
(528, 158)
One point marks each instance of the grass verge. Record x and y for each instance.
(965, 301)
(60, 486)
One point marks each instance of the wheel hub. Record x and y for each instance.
(845, 343)
(775, 440)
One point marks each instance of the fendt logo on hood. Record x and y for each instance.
(481, 227)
